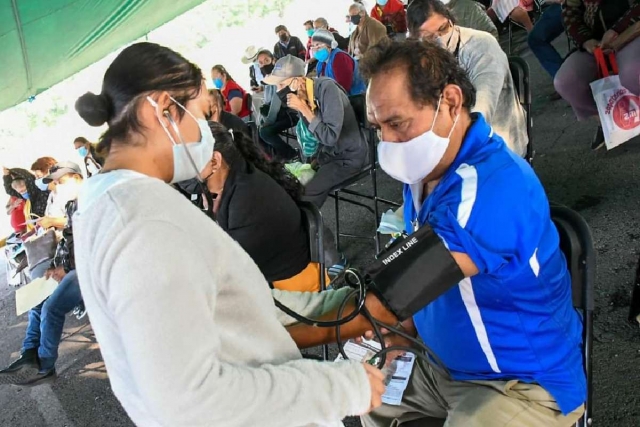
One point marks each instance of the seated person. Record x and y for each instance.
(367, 32)
(336, 64)
(325, 109)
(612, 25)
(15, 212)
(255, 76)
(218, 114)
(471, 14)
(276, 117)
(548, 27)
(235, 100)
(21, 183)
(322, 24)
(392, 14)
(255, 204)
(507, 332)
(36, 364)
(516, 10)
(486, 64)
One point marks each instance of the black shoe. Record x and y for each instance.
(40, 378)
(598, 139)
(24, 368)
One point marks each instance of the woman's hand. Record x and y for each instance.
(376, 381)
(391, 339)
(608, 39)
(591, 45)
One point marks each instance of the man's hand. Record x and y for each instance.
(6, 171)
(50, 222)
(295, 103)
(391, 339)
(56, 274)
(590, 45)
(376, 381)
(608, 39)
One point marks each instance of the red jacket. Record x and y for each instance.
(583, 19)
(17, 215)
(226, 91)
(393, 14)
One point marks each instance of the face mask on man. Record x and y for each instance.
(83, 152)
(68, 191)
(355, 19)
(41, 185)
(189, 158)
(412, 161)
(283, 37)
(321, 54)
(267, 69)
(284, 92)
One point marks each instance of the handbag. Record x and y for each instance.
(619, 109)
(41, 248)
(307, 140)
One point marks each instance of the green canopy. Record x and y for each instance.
(42, 42)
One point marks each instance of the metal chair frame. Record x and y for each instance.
(521, 79)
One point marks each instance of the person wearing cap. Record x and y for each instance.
(368, 31)
(250, 57)
(325, 110)
(288, 44)
(336, 64)
(323, 24)
(36, 364)
(392, 14)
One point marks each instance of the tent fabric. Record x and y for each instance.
(42, 42)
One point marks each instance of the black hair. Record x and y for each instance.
(235, 146)
(137, 71)
(420, 10)
(309, 22)
(429, 69)
(265, 52)
(220, 68)
(281, 28)
(81, 139)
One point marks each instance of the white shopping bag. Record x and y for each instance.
(619, 109)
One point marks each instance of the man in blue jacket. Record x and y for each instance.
(507, 333)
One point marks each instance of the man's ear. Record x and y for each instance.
(452, 99)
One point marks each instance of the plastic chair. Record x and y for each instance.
(576, 243)
(370, 170)
(314, 224)
(522, 82)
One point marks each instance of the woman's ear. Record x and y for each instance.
(216, 161)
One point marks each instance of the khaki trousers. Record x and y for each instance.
(431, 396)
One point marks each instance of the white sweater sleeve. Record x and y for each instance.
(164, 304)
(490, 68)
(308, 304)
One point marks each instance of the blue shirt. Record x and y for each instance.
(515, 319)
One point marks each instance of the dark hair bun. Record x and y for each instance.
(94, 109)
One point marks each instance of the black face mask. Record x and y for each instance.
(282, 94)
(267, 69)
(355, 19)
(283, 37)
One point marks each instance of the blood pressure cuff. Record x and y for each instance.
(413, 272)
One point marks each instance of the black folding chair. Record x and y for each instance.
(314, 224)
(370, 170)
(576, 243)
(252, 122)
(520, 75)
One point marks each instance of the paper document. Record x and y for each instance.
(33, 294)
(398, 372)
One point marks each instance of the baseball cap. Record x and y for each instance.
(61, 169)
(285, 68)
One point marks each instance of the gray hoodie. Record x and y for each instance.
(335, 126)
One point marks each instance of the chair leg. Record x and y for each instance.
(337, 204)
(510, 25)
(374, 181)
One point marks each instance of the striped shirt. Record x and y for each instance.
(515, 319)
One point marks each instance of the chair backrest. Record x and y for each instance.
(521, 79)
(248, 101)
(359, 105)
(313, 223)
(576, 243)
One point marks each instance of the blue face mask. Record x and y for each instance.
(382, 2)
(321, 55)
(310, 32)
(218, 83)
(41, 185)
(25, 195)
(83, 152)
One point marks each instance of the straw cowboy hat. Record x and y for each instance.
(251, 54)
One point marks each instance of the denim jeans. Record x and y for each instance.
(46, 320)
(548, 28)
(270, 138)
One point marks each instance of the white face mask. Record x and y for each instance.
(189, 158)
(410, 162)
(68, 191)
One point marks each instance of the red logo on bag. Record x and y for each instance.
(626, 112)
